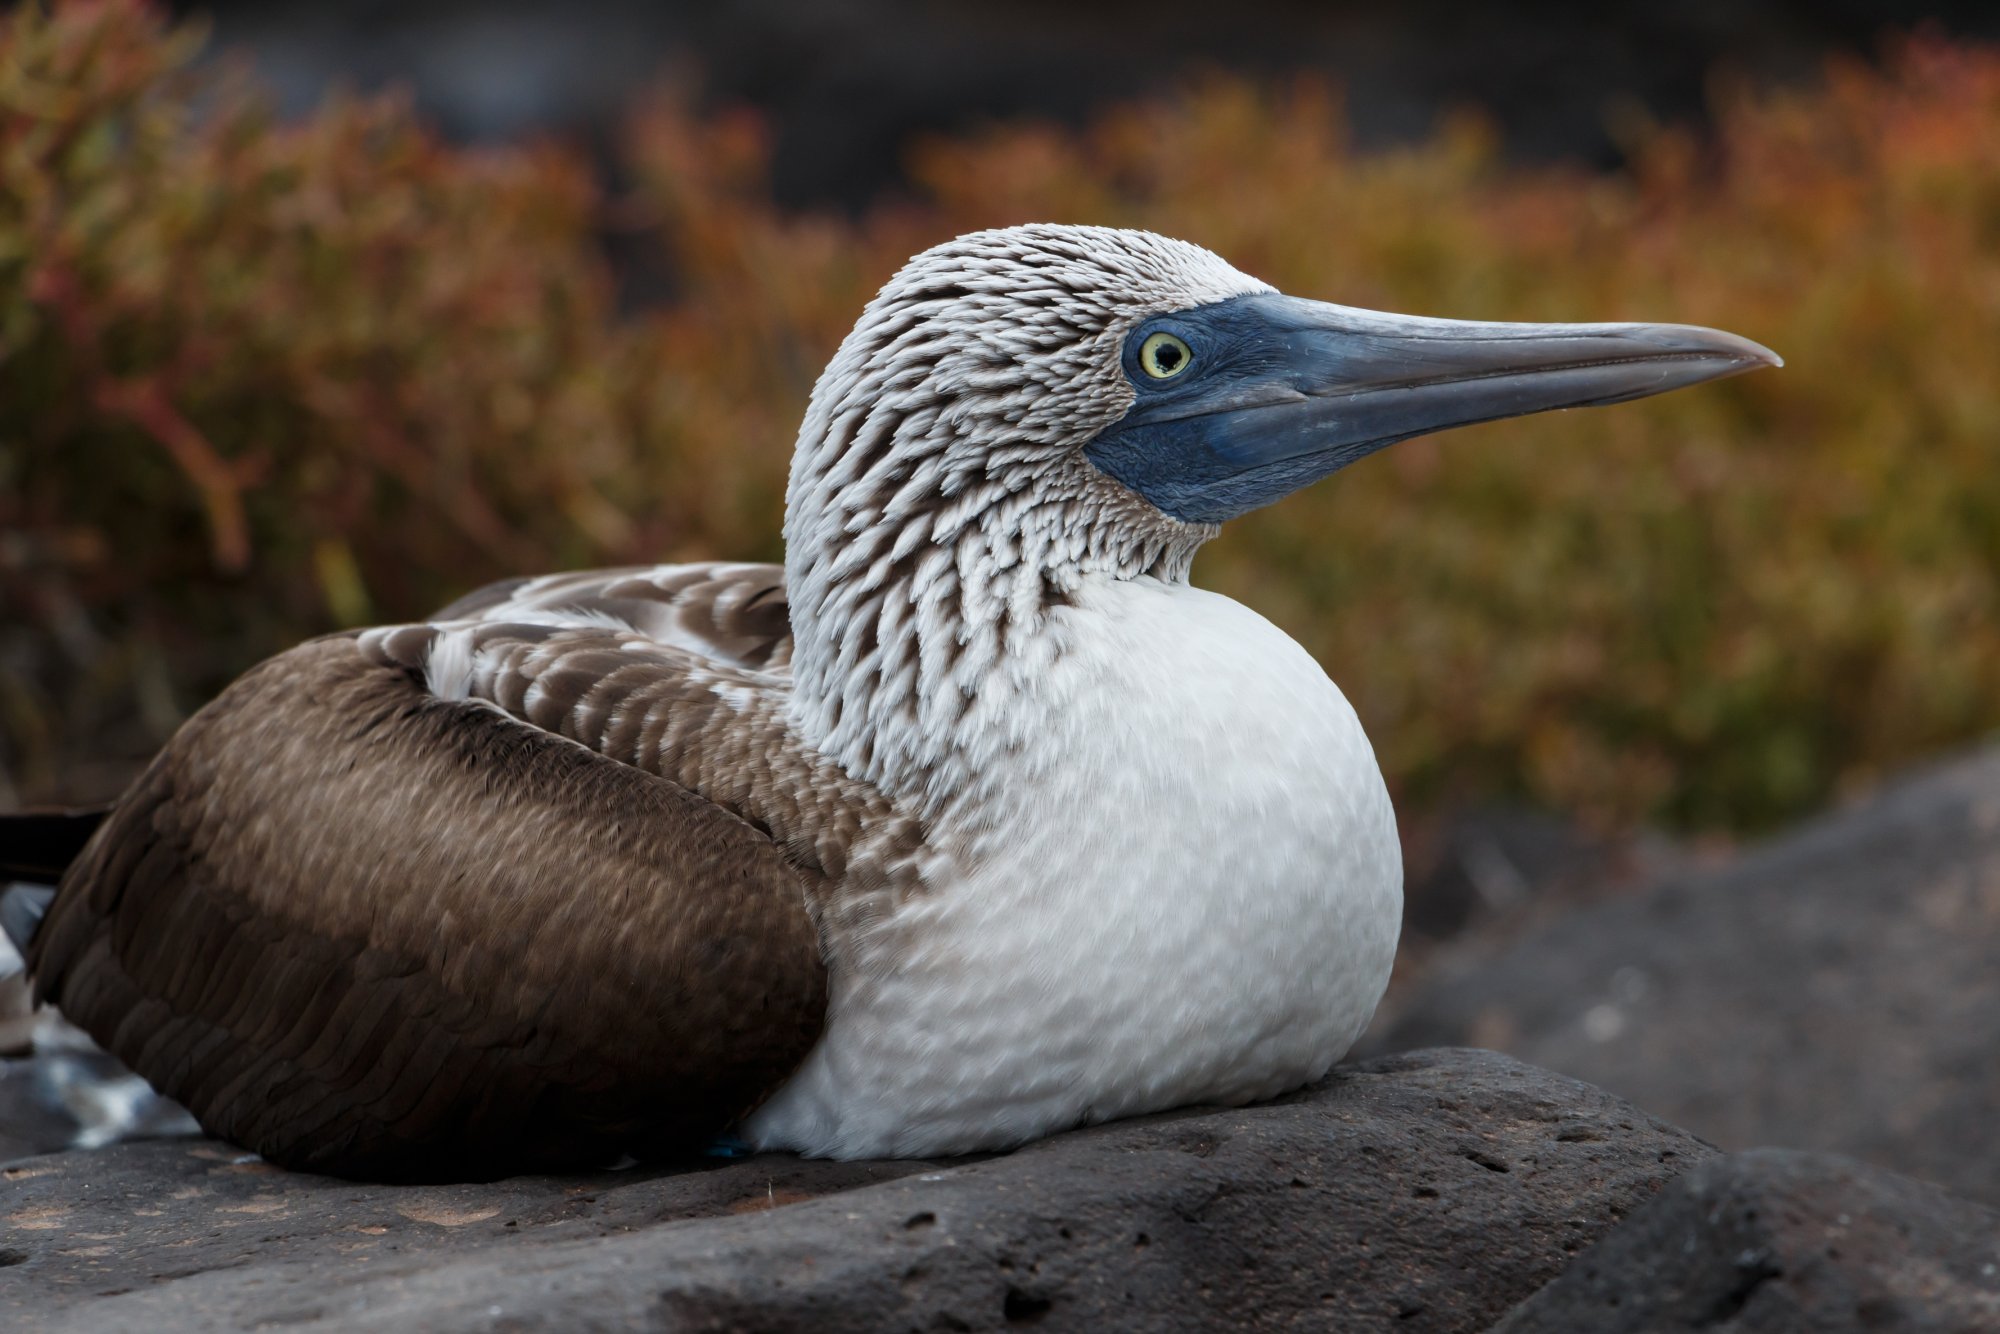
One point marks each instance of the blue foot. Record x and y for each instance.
(728, 1146)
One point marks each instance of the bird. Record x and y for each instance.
(972, 822)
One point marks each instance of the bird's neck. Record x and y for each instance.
(921, 645)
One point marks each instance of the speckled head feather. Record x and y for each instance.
(939, 500)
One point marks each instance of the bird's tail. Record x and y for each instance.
(36, 847)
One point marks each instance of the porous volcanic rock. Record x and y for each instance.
(1775, 1241)
(1426, 1192)
(1835, 989)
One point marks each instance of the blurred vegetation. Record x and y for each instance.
(258, 380)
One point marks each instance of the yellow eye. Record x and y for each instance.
(1164, 356)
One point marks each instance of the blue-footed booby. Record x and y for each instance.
(971, 822)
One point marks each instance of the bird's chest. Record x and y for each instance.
(1196, 881)
(1183, 885)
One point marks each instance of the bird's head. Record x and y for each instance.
(1024, 408)
(1117, 394)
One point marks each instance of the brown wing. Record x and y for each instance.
(364, 930)
(692, 718)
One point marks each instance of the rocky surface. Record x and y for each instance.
(1425, 1192)
(1479, 870)
(1776, 1240)
(1835, 990)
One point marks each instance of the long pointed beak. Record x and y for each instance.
(1283, 391)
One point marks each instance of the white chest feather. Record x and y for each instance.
(1186, 887)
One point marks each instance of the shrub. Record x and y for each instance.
(257, 380)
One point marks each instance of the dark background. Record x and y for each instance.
(847, 83)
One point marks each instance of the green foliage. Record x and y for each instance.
(258, 380)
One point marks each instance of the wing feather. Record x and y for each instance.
(725, 614)
(710, 726)
(366, 930)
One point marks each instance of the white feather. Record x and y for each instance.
(1185, 886)
(451, 669)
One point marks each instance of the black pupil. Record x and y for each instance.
(1167, 356)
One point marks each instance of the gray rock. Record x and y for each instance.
(1426, 1192)
(1835, 989)
(1775, 1241)
(1479, 869)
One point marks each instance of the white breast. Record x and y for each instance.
(1186, 888)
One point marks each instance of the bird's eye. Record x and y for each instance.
(1164, 356)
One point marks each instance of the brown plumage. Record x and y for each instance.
(364, 930)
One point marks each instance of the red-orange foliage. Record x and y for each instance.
(260, 380)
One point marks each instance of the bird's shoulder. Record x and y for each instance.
(682, 671)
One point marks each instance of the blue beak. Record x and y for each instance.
(1268, 394)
